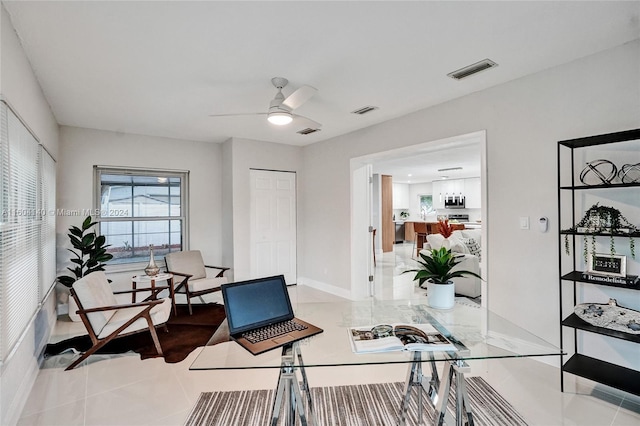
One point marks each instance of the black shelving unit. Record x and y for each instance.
(578, 363)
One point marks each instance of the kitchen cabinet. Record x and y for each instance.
(575, 282)
(469, 187)
(437, 195)
(472, 196)
(400, 196)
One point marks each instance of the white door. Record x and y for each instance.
(272, 231)
(361, 232)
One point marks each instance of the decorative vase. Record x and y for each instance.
(151, 269)
(441, 296)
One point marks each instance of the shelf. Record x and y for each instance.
(574, 283)
(602, 186)
(577, 276)
(627, 135)
(618, 377)
(603, 234)
(574, 321)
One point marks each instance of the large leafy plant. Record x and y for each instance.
(437, 267)
(90, 252)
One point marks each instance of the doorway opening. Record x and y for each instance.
(417, 172)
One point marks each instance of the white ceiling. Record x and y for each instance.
(161, 68)
(422, 165)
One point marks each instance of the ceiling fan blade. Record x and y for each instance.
(299, 97)
(237, 115)
(306, 122)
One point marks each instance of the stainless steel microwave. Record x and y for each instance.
(454, 202)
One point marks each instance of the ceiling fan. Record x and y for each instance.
(281, 109)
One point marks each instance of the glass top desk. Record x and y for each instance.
(477, 333)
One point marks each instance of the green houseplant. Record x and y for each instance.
(90, 252)
(602, 220)
(436, 269)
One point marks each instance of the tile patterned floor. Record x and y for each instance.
(122, 390)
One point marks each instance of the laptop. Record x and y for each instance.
(256, 308)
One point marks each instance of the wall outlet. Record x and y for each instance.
(524, 222)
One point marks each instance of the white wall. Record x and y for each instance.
(19, 87)
(524, 119)
(246, 154)
(81, 149)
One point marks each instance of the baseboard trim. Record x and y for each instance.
(327, 288)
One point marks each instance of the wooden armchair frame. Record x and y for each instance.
(100, 342)
(185, 286)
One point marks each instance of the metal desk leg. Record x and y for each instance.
(455, 368)
(305, 387)
(288, 385)
(415, 379)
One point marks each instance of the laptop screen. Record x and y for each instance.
(256, 303)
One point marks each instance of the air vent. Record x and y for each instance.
(364, 110)
(307, 131)
(472, 69)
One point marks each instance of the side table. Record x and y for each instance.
(150, 282)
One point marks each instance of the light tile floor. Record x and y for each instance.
(122, 390)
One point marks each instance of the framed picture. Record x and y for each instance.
(607, 264)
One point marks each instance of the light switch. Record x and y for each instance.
(524, 222)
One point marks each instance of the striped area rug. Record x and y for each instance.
(355, 405)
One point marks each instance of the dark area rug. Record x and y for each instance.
(186, 333)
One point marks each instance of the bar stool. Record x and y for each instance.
(420, 229)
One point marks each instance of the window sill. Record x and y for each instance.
(130, 267)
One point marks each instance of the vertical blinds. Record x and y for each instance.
(27, 228)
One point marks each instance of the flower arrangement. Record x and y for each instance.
(445, 228)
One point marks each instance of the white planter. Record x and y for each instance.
(441, 296)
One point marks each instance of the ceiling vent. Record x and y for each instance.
(364, 110)
(307, 131)
(469, 70)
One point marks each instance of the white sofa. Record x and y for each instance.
(460, 243)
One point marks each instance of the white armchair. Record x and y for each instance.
(195, 282)
(105, 319)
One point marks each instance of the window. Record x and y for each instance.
(426, 205)
(27, 228)
(137, 208)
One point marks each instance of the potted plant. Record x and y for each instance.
(89, 256)
(436, 269)
(602, 220)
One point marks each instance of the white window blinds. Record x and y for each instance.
(27, 228)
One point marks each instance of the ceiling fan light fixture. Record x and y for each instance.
(279, 118)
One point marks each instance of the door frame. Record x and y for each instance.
(479, 137)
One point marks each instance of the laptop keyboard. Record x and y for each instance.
(269, 332)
